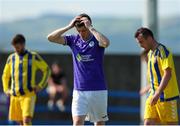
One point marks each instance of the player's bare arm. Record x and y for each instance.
(57, 35)
(103, 40)
(165, 79)
(144, 90)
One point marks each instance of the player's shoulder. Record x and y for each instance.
(10, 57)
(149, 53)
(32, 52)
(36, 55)
(164, 52)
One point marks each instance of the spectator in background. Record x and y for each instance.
(57, 88)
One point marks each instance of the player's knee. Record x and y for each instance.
(100, 123)
(172, 123)
(78, 121)
(27, 121)
(148, 122)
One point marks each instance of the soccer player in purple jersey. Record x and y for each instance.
(90, 90)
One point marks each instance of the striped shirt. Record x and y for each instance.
(19, 75)
(159, 60)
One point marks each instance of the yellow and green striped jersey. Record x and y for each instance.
(19, 75)
(159, 60)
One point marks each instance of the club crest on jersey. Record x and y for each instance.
(91, 43)
(80, 45)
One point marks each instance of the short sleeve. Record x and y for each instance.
(167, 62)
(69, 39)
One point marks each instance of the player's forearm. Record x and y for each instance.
(103, 40)
(56, 36)
(6, 78)
(46, 74)
(5, 82)
(164, 82)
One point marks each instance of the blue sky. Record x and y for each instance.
(16, 9)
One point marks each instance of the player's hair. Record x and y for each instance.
(85, 15)
(79, 24)
(18, 39)
(145, 32)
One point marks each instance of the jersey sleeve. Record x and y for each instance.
(69, 39)
(42, 65)
(6, 75)
(167, 61)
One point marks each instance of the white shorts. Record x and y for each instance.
(93, 104)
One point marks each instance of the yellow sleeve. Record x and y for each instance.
(42, 65)
(167, 62)
(6, 75)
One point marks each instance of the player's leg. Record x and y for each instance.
(150, 115)
(28, 105)
(98, 107)
(150, 122)
(79, 107)
(168, 112)
(100, 123)
(27, 120)
(15, 112)
(172, 123)
(78, 120)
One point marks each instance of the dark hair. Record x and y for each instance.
(79, 24)
(18, 39)
(144, 31)
(56, 63)
(85, 15)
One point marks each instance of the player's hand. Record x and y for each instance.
(144, 90)
(8, 93)
(71, 24)
(86, 22)
(155, 98)
(37, 89)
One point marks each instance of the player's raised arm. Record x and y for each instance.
(57, 35)
(103, 40)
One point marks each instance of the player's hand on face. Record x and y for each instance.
(71, 24)
(86, 22)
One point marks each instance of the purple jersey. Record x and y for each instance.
(87, 63)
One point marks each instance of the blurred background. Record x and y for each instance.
(117, 19)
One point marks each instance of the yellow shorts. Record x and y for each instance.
(163, 111)
(21, 106)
